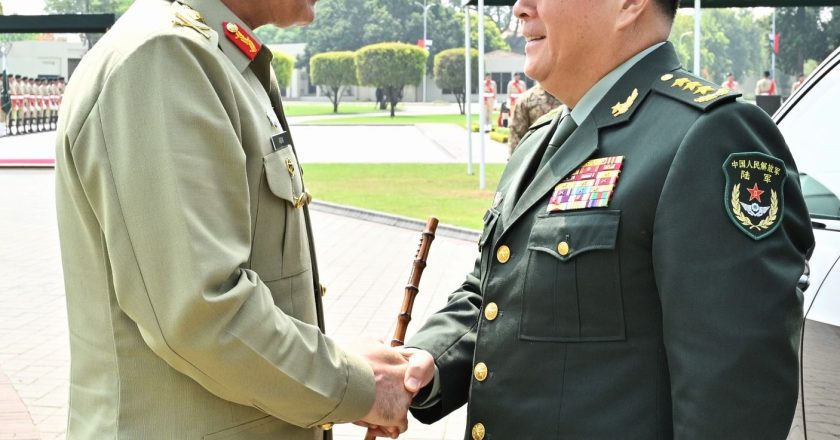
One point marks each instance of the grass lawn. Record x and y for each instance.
(386, 119)
(411, 190)
(402, 119)
(299, 108)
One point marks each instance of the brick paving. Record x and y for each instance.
(365, 266)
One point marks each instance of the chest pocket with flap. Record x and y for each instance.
(280, 244)
(572, 284)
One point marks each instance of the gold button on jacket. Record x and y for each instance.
(480, 372)
(563, 248)
(503, 254)
(491, 311)
(478, 431)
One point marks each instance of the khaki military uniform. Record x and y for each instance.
(192, 292)
(619, 293)
(764, 86)
(533, 104)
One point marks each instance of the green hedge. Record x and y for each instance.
(283, 65)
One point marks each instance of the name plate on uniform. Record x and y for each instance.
(281, 141)
(590, 186)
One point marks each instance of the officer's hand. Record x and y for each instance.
(420, 371)
(390, 409)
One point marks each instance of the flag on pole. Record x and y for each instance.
(774, 42)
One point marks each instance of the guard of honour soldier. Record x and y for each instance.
(34, 104)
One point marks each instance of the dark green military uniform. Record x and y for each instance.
(639, 307)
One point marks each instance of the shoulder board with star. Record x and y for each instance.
(187, 17)
(694, 91)
(546, 118)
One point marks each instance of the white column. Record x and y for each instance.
(697, 36)
(468, 88)
(482, 136)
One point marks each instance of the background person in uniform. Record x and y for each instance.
(765, 86)
(489, 101)
(515, 88)
(192, 286)
(730, 82)
(638, 268)
(532, 105)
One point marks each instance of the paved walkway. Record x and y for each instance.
(421, 143)
(365, 266)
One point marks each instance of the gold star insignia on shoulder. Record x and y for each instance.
(680, 82)
(692, 86)
(704, 90)
(622, 107)
(707, 98)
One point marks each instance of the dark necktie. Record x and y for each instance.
(564, 129)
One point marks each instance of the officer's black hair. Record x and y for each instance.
(669, 7)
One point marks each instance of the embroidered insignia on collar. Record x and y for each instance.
(242, 40)
(622, 107)
(753, 197)
(591, 186)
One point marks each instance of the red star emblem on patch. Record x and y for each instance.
(755, 193)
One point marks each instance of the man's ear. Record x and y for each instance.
(631, 12)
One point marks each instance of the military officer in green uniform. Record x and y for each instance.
(192, 286)
(638, 268)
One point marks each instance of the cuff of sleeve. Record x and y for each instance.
(359, 395)
(429, 396)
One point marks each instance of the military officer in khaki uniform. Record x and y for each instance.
(638, 269)
(192, 286)
(532, 105)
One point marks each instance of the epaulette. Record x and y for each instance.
(546, 118)
(185, 16)
(694, 91)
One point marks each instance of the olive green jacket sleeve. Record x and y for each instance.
(160, 161)
(731, 309)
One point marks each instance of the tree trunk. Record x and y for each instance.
(392, 98)
(459, 97)
(336, 93)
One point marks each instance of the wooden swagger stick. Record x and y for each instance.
(412, 288)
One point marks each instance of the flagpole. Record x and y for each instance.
(773, 50)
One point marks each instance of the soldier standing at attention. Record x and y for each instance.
(515, 88)
(192, 286)
(489, 101)
(531, 106)
(14, 115)
(638, 269)
(765, 86)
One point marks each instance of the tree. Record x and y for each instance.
(391, 66)
(271, 34)
(450, 72)
(283, 65)
(333, 71)
(803, 36)
(363, 22)
(87, 7)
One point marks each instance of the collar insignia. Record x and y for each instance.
(242, 40)
(622, 107)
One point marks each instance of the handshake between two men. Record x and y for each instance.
(399, 373)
